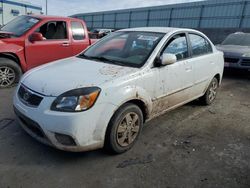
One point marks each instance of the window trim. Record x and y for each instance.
(85, 34)
(191, 50)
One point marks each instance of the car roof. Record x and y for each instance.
(45, 17)
(240, 33)
(102, 29)
(159, 29)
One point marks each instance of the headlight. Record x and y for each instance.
(76, 100)
(246, 54)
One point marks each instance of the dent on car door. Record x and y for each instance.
(176, 79)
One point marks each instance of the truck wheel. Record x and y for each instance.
(211, 92)
(10, 72)
(124, 129)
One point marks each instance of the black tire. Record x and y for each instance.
(210, 95)
(112, 141)
(10, 73)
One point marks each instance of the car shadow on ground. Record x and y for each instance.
(16, 143)
(232, 74)
(238, 74)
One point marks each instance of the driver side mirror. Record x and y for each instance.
(36, 37)
(168, 59)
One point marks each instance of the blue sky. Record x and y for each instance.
(69, 7)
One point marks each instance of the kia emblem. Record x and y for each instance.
(26, 96)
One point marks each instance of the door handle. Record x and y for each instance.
(65, 44)
(188, 67)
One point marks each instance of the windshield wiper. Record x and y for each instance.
(84, 56)
(101, 58)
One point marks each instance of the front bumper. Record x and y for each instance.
(85, 129)
(237, 62)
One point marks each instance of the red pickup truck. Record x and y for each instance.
(29, 41)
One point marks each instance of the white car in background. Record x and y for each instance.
(102, 97)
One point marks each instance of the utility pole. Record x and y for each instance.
(46, 7)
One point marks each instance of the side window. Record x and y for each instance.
(177, 46)
(77, 31)
(53, 30)
(199, 45)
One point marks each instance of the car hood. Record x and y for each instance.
(233, 49)
(5, 34)
(55, 78)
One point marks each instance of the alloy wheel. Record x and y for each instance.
(212, 90)
(128, 129)
(7, 76)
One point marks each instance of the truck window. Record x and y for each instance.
(54, 30)
(77, 31)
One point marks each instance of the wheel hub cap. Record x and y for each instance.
(212, 91)
(7, 76)
(128, 129)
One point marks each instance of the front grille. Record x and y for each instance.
(30, 124)
(245, 62)
(28, 97)
(231, 60)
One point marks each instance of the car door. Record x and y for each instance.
(175, 80)
(203, 62)
(56, 44)
(79, 37)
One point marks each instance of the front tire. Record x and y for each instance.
(210, 95)
(124, 129)
(10, 73)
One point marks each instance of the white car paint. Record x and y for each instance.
(70, 75)
(159, 88)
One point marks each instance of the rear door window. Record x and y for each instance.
(77, 31)
(199, 45)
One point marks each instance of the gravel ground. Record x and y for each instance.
(192, 146)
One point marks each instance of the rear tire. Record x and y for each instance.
(124, 129)
(10, 73)
(210, 95)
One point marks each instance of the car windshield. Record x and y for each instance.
(126, 48)
(20, 25)
(241, 39)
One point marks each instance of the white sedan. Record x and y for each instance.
(103, 96)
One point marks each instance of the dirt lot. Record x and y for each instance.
(193, 146)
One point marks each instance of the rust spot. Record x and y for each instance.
(162, 104)
(159, 105)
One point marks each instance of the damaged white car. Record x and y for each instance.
(102, 97)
